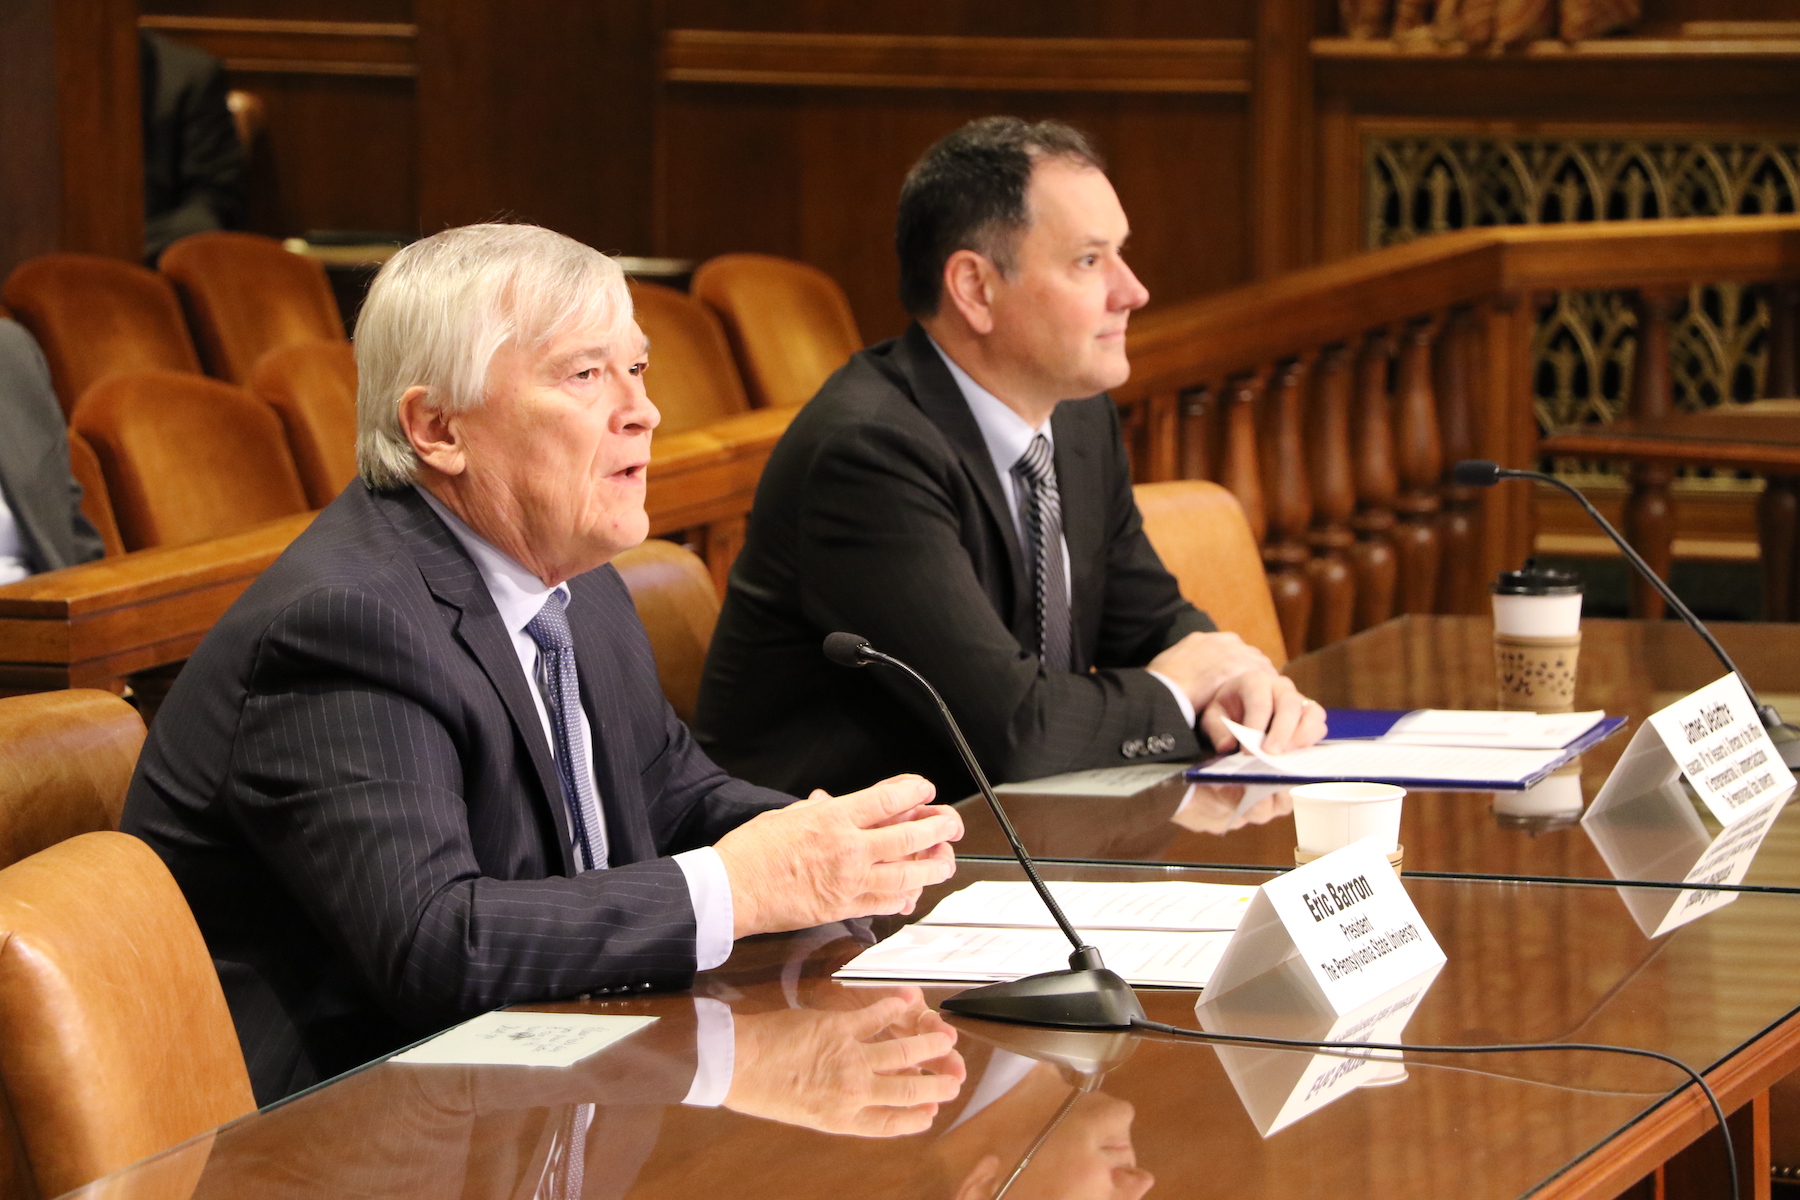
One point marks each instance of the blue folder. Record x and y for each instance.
(1343, 724)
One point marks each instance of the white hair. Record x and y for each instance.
(439, 310)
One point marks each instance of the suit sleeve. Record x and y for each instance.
(882, 552)
(352, 790)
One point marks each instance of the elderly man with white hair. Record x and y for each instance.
(423, 768)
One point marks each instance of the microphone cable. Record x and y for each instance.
(1358, 1050)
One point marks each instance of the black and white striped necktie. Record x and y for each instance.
(1040, 505)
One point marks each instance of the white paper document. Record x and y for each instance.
(1495, 730)
(1171, 905)
(1101, 781)
(1383, 760)
(524, 1039)
(927, 953)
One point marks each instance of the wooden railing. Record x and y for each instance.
(1332, 401)
(138, 616)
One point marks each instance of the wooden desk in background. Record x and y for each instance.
(1763, 437)
(1526, 964)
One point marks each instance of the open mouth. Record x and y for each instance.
(632, 474)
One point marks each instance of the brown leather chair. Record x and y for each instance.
(674, 596)
(187, 458)
(246, 296)
(692, 380)
(312, 388)
(66, 759)
(1199, 531)
(95, 316)
(789, 324)
(96, 506)
(115, 1042)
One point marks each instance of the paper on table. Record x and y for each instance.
(1176, 905)
(524, 1039)
(1499, 730)
(957, 952)
(1101, 781)
(1379, 760)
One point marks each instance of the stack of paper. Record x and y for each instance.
(1161, 934)
(1430, 748)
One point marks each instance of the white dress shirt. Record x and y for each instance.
(519, 595)
(15, 562)
(1008, 436)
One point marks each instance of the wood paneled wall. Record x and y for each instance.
(691, 127)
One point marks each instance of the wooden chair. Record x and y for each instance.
(789, 324)
(312, 388)
(692, 379)
(66, 759)
(115, 1041)
(96, 505)
(95, 317)
(1199, 531)
(187, 458)
(246, 296)
(674, 596)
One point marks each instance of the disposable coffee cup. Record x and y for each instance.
(1329, 816)
(1537, 638)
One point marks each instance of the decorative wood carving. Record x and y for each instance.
(1332, 472)
(1421, 463)
(1649, 517)
(1239, 466)
(1461, 579)
(1289, 499)
(1373, 559)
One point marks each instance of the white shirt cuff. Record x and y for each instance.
(1187, 706)
(710, 890)
(715, 1053)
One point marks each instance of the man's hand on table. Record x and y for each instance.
(875, 1071)
(1223, 676)
(826, 859)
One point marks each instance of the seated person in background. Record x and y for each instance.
(423, 768)
(193, 160)
(41, 526)
(949, 496)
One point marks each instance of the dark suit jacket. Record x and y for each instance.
(351, 784)
(193, 161)
(34, 459)
(880, 513)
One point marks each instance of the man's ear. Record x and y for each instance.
(982, 1181)
(969, 281)
(433, 434)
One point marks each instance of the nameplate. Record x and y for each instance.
(1713, 739)
(1345, 916)
(524, 1039)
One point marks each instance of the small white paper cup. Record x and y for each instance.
(1556, 796)
(1329, 816)
(1537, 616)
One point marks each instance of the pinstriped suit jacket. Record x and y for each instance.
(351, 784)
(880, 513)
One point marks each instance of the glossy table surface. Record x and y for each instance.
(1525, 963)
(1628, 668)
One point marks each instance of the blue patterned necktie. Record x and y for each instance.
(562, 697)
(1041, 506)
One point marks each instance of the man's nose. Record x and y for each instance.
(1127, 292)
(639, 413)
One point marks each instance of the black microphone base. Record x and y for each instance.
(1787, 742)
(1097, 999)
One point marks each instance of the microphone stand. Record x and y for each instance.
(1478, 472)
(1087, 995)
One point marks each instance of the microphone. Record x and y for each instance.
(1479, 472)
(1087, 995)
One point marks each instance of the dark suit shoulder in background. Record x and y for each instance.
(34, 459)
(193, 161)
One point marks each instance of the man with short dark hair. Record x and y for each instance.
(950, 496)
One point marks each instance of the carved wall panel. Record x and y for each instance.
(1586, 341)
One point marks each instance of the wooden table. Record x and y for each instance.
(1629, 668)
(1764, 437)
(1525, 964)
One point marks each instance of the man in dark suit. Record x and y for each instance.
(423, 768)
(41, 525)
(948, 496)
(193, 160)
